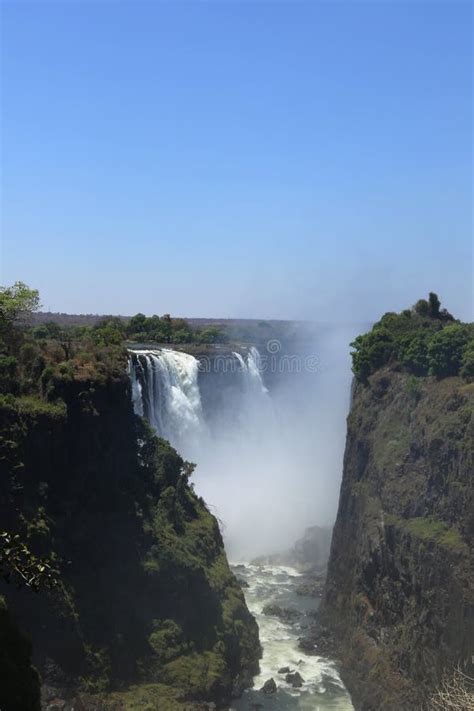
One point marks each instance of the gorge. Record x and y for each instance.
(125, 538)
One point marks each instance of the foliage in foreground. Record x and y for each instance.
(21, 567)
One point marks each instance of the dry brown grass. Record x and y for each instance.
(456, 692)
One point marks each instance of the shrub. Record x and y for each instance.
(413, 388)
(467, 362)
(434, 305)
(414, 354)
(422, 308)
(166, 640)
(445, 350)
(371, 351)
(8, 374)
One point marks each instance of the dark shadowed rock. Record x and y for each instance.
(287, 614)
(295, 679)
(269, 687)
(284, 670)
(312, 586)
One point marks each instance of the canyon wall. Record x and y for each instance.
(145, 610)
(400, 587)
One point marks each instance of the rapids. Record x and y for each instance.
(322, 689)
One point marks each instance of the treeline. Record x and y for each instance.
(424, 340)
(30, 362)
(112, 330)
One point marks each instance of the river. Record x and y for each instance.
(322, 688)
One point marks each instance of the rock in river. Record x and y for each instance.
(295, 679)
(269, 687)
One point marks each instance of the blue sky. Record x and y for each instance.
(245, 159)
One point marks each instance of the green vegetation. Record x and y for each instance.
(99, 517)
(430, 529)
(114, 331)
(17, 302)
(424, 340)
(20, 566)
(198, 676)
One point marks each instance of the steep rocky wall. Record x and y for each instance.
(400, 587)
(146, 597)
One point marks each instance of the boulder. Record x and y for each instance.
(269, 687)
(286, 614)
(284, 670)
(295, 679)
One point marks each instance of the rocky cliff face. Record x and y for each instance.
(400, 587)
(147, 611)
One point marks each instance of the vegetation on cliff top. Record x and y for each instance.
(424, 340)
(113, 330)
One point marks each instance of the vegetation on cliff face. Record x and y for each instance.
(145, 606)
(400, 587)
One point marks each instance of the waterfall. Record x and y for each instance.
(165, 390)
(137, 396)
(268, 461)
(251, 371)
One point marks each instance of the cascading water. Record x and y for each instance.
(165, 390)
(251, 371)
(137, 397)
(253, 450)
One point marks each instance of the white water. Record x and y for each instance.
(253, 382)
(268, 463)
(165, 389)
(170, 399)
(258, 461)
(322, 689)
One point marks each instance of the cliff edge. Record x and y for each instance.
(400, 587)
(111, 564)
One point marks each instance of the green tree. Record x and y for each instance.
(167, 327)
(445, 350)
(434, 305)
(108, 335)
(422, 308)
(371, 351)
(17, 302)
(212, 334)
(414, 354)
(137, 324)
(8, 374)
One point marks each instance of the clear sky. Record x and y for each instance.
(245, 159)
